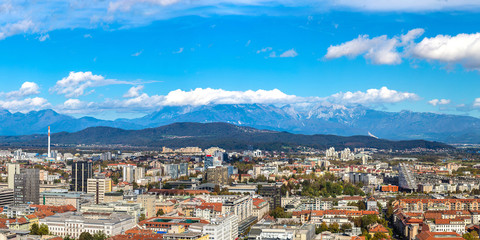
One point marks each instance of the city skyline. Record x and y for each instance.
(118, 59)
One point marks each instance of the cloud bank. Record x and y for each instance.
(75, 84)
(462, 49)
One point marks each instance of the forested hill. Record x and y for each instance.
(204, 135)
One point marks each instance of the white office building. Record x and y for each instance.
(73, 224)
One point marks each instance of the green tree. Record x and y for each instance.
(468, 236)
(85, 236)
(389, 213)
(68, 238)
(379, 236)
(334, 227)
(43, 230)
(34, 229)
(142, 217)
(279, 212)
(323, 227)
(160, 212)
(99, 236)
(346, 226)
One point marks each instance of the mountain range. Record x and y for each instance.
(302, 119)
(204, 135)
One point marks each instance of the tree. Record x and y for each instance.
(379, 236)
(471, 235)
(334, 227)
(85, 236)
(279, 212)
(216, 189)
(160, 212)
(346, 226)
(99, 236)
(323, 227)
(389, 209)
(43, 230)
(34, 229)
(142, 217)
(68, 238)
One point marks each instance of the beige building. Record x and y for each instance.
(12, 169)
(98, 187)
(148, 203)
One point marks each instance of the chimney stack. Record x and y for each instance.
(49, 154)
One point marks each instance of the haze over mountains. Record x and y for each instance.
(304, 119)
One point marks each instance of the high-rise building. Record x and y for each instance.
(12, 169)
(148, 203)
(129, 173)
(272, 193)
(81, 172)
(6, 196)
(27, 186)
(99, 186)
(217, 175)
(139, 173)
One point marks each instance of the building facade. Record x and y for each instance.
(81, 172)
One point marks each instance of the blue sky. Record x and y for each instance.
(127, 58)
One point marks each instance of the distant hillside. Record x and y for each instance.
(205, 135)
(302, 119)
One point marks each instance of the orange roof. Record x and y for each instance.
(55, 209)
(358, 238)
(378, 228)
(22, 220)
(257, 202)
(427, 235)
(31, 216)
(217, 207)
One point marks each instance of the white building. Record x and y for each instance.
(225, 228)
(448, 225)
(73, 224)
(241, 206)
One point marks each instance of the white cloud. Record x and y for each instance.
(379, 50)
(134, 91)
(436, 102)
(461, 49)
(27, 17)
(136, 101)
(43, 37)
(137, 53)
(205, 96)
(25, 105)
(412, 35)
(408, 5)
(22, 26)
(180, 50)
(27, 89)
(373, 96)
(289, 53)
(126, 5)
(266, 49)
(75, 84)
(87, 36)
(476, 102)
(248, 43)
